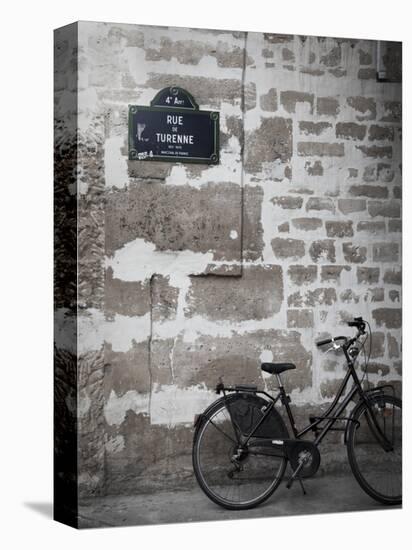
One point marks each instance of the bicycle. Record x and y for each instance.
(241, 444)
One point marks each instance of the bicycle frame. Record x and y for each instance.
(327, 415)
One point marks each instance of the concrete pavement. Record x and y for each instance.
(325, 494)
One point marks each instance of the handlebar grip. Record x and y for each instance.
(323, 342)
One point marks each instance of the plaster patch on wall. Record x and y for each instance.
(115, 163)
(138, 260)
(94, 330)
(116, 407)
(171, 405)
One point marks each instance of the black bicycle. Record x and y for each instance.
(242, 446)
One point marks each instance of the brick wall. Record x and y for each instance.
(190, 272)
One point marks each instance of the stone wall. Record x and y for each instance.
(191, 272)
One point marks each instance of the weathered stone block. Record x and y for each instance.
(367, 73)
(302, 275)
(307, 224)
(271, 142)
(249, 96)
(378, 345)
(339, 229)
(284, 227)
(381, 133)
(332, 272)
(350, 130)
(370, 173)
(389, 317)
(125, 297)
(320, 149)
(269, 101)
(323, 250)
(387, 209)
(320, 203)
(164, 298)
(368, 275)
(126, 371)
(371, 227)
(393, 277)
(311, 128)
(393, 111)
(365, 58)
(288, 55)
(394, 296)
(288, 248)
(349, 206)
(314, 168)
(386, 173)
(376, 151)
(397, 192)
(332, 58)
(385, 252)
(349, 296)
(374, 295)
(372, 191)
(338, 72)
(354, 254)
(267, 54)
(290, 98)
(319, 297)
(393, 346)
(237, 358)
(378, 368)
(288, 202)
(364, 105)
(190, 52)
(278, 38)
(300, 318)
(327, 106)
(257, 294)
(252, 242)
(395, 226)
(176, 218)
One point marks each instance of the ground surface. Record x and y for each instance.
(325, 494)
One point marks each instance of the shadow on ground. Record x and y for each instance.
(45, 509)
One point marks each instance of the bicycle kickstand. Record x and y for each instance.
(295, 475)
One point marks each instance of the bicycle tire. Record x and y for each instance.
(377, 471)
(211, 466)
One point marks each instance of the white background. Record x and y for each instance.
(26, 218)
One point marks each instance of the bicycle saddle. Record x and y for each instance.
(277, 368)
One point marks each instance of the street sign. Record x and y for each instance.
(173, 129)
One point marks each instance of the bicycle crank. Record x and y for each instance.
(305, 453)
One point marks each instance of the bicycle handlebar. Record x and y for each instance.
(330, 340)
(357, 322)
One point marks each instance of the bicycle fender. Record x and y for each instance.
(273, 420)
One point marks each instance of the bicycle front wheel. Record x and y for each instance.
(234, 483)
(377, 469)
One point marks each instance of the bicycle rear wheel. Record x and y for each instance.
(246, 481)
(378, 471)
